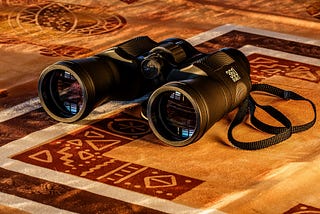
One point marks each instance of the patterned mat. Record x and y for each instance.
(112, 163)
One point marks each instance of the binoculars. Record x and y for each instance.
(188, 90)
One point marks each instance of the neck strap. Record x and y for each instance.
(281, 133)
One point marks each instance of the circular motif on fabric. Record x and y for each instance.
(125, 126)
(63, 18)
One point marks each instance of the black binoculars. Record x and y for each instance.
(191, 90)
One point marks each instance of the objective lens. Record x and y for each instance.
(175, 114)
(62, 94)
(68, 94)
(69, 90)
(178, 115)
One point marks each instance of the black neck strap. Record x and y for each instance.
(280, 134)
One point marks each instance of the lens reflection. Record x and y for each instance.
(69, 95)
(178, 115)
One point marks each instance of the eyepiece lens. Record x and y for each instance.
(151, 67)
(176, 118)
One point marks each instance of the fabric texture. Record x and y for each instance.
(110, 162)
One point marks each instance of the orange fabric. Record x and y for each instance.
(111, 162)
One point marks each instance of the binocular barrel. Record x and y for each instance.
(70, 90)
(191, 90)
(180, 112)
